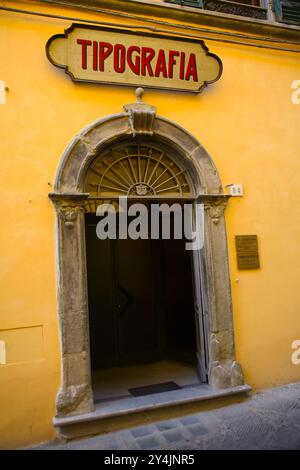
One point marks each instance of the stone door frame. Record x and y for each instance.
(212, 272)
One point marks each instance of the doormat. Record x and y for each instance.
(155, 388)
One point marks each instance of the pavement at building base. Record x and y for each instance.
(266, 420)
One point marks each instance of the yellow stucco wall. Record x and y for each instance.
(250, 127)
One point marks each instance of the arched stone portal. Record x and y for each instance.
(212, 283)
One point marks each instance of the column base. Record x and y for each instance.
(74, 400)
(224, 374)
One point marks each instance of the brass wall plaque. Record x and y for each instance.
(247, 251)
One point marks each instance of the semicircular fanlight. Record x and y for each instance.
(136, 170)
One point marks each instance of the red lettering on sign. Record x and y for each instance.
(147, 55)
(119, 58)
(105, 49)
(144, 61)
(84, 45)
(182, 64)
(161, 64)
(191, 69)
(95, 55)
(136, 62)
(172, 62)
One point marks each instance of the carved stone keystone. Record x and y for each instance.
(141, 115)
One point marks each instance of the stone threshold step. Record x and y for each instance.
(116, 414)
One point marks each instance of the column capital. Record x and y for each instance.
(214, 205)
(68, 199)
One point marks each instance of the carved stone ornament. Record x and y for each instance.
(69, 216)
(215, 206)
(141, 115)
(68, 206)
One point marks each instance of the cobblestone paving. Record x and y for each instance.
(266, 420)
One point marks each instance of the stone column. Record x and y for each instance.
(75, 395)
(223, 370)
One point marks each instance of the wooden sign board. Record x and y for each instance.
(247, 251)
(121, 57)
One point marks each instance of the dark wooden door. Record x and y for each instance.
(101, 299)
(138, 302)
(123, 300)
(141, 305)
(180, 337)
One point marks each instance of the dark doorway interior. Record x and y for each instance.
(141, 307)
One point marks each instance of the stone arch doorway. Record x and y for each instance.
(212, 283)
(141, 300)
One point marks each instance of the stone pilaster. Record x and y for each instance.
(75, 394)
(223, 370)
